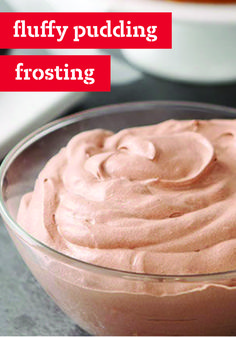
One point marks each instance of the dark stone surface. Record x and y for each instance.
(25, 309)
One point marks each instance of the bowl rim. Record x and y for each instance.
(88, 113)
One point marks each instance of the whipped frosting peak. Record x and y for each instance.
(155, 199)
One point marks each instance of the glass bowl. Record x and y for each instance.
(105, 301)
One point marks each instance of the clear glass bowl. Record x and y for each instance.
(100, 300)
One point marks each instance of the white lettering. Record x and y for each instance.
(61, 32)
(77, 35)
(18, 71)
(40, 71)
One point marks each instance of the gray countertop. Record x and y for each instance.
(25, 309)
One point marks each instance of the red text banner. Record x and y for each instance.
(86, 30)
(55, 73)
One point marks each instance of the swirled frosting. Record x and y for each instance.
(154, 199)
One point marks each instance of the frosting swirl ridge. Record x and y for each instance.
(154, 199)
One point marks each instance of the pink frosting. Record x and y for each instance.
(154, 199)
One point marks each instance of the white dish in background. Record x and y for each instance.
(23, 112)
(204, 41)
(57, 5)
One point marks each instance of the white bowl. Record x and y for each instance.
(204, 41)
